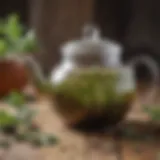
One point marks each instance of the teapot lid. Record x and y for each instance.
(91, 32)
(90, 37)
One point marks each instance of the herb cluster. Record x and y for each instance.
(19, 123)
(95, 87)
(14, 38)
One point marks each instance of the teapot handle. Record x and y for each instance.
(153, 91)
(91, 31)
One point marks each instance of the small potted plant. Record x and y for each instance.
(14, 41)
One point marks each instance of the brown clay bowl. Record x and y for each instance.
(13, 76)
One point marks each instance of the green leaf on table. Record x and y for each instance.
(153, 112)
(5, 143)
(7, 119)
(26, 116)
(16, 99)
(37, 138)
(41, 139)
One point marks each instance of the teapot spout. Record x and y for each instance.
(61, 72)
(34, 70)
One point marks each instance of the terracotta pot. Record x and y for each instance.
(13, 76)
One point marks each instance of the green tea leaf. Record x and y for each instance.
(7, 119)
(13, 37)
(12, 28)
(16, 99)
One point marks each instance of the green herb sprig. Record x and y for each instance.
(14, 39)
(21, 122)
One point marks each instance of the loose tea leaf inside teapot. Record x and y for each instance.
(94, 86)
